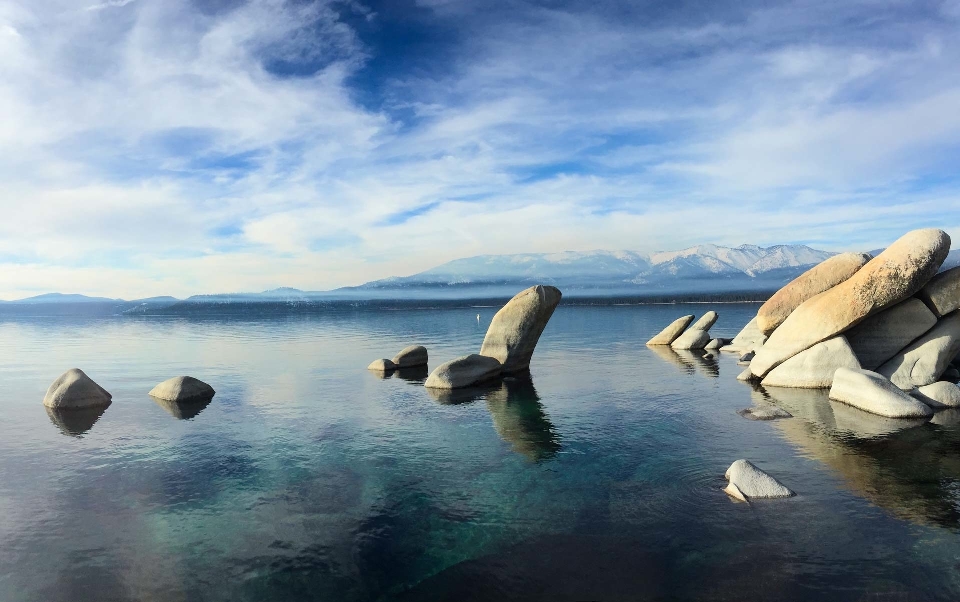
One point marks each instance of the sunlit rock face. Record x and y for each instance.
(515, 329)
(672, 331)
(465, 371)
(74, 390)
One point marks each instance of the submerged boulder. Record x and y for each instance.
(925, 360)
(873, 393)
(813, 368)
(516, 328)
(823, 276)
(414, 355)
(747, 482)
(939, 395)
(697, 336)
(882, 335)
(75, 390)
(464, 372)
(892, 276)
(671, 332)
(183, 388)
(942, 293)
(764, 412)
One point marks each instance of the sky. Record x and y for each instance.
(155, 147)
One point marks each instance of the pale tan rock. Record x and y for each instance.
(693, 338)
(925, 360)
(745, 339)
(879, 337)
(942, 293)
(182, 388)
(671, 332)
(463, 372)
(814, 367)
(75, 390)
(382, 365)
(823, 276)
(873, 393)
(893, 276)
(939, 395)
(516, 328)
(706, 321)
(414, 355)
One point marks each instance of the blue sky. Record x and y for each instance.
(193, 146)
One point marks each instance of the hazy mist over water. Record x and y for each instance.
(308, 477)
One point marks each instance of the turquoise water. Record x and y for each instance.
(309, 478)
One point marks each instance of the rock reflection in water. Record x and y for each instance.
(414, 374)
(75, 423)
(517, 413)
(688, 361)
(183, 410)
(519, 419)
(907, 467)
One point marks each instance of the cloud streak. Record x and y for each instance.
(184, 147)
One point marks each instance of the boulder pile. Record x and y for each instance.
(678, 336)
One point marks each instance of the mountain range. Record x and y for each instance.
(701, 271)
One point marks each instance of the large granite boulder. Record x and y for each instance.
(925, 360)
(464, 372)
(74, 390)
(671, 332)
(889, 278)
(181, 389)
(823, 276)
(879, 337)
(873, 393)
(747, 482)
(939, 395)
(697, 336)
(813, 368)
(414, 355)
(942, 293)
(516, 328)
(745, 339)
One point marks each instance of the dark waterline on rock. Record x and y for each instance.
(598, 475)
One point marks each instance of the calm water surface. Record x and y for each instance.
(309, 478)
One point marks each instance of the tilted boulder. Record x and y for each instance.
(182, 388)
(873, 393)
(879, 337)
(747, 482)
(414, 355)
(939, 395)
(717, 343)
(942, 293)
(464, 372)
(925, 360)
(75, 390)
(813, 368)
(516, 328)
(892, 276)
(671, 332)
(823, 276)
(697, 336)
(745, 339)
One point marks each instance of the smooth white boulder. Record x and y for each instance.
(939, 395)
(463, 372)
(891, 277)
(942, 293)
(747, 482)
(823, 276)
(813, 368)
(182, 388)
(516, 328)
(706, 321)
(873, 393)
(75, 390)
(879, 337)
(693, 338)
(671, 332)
(925, 360)
(414, 355)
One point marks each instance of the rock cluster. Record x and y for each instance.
(696, 337)
(508, 345)
(409, 357)
(880, 333)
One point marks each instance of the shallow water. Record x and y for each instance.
(309, 478)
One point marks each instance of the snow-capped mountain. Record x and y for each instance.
(707, 267)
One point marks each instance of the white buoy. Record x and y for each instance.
(478, 318)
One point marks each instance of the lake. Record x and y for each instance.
(309, 478)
